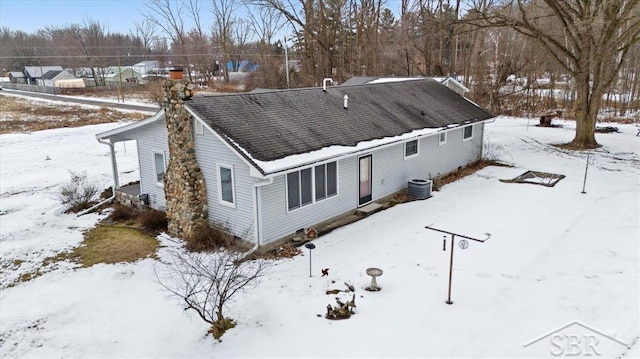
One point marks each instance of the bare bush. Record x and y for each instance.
(208, 282)
(153, 220)
(79, 193)
(208, 237)
(122, 213)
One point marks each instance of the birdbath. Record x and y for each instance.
(373, 272)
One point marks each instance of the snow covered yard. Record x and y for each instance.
(555, 256)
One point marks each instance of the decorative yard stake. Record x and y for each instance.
(310, 246)
(463, 245)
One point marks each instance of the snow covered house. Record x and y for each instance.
(277, 162)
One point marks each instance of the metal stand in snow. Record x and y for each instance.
(310, 246)
(463, 245)
(584, 184)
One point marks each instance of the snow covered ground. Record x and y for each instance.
(554, 256)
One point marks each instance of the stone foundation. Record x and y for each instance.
(184, 186)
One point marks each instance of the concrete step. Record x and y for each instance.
(369, 209)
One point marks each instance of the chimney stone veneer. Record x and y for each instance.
(184, 186)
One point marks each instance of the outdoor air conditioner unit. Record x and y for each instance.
(419, 189)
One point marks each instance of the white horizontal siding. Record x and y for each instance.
(210, 152)
(277, 222)
(391, 173)
(150, 139)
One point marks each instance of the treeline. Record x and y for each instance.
(505, 68)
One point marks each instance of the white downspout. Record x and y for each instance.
(116, 182)
(256, 218)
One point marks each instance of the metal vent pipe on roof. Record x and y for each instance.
(346, 101)
(324, 83)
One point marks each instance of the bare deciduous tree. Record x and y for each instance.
(207, 282)
(592, 45)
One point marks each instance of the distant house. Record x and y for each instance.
(277, 162)
(122, 74)
(146, 67)
(54, 78)
(34, 73)
(17, 77)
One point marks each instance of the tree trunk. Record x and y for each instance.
(587, 104)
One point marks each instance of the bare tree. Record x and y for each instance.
(592, 45)
(147, 32)
(92, 39)
(168, 15)
(224, 23)
(207, 282)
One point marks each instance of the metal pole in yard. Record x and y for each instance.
(450, 271)
(449, 301)
(310, 246)
(584, 184)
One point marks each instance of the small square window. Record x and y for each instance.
(442, 138)
(199, 127)
(468, 132)
(411, 148)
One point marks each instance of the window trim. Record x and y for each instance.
(219, 167)
(198, 127)
(413, 154)
(313, 185)
(443, 141)
(155, 167)
(463, 133)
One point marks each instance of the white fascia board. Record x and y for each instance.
(130, 126)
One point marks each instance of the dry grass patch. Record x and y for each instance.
(113, 244)
(23, 115)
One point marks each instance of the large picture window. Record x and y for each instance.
(159, 164)
(226, 194)
(311, 184)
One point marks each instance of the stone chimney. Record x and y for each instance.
(184, 186)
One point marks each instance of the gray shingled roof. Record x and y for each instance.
(273, 125)
(51, 74)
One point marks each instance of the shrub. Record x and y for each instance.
(122, 213)
(79, 193)
(153, 220)
(206, 237)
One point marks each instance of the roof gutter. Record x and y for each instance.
(116, 184)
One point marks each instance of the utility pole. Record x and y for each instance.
(120, 83)
(463, 244)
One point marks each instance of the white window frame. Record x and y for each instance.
(441, 140)
(155, 168)
(198, 127)
(413, 154)
(313, 186)
(219, 167)
(463, 133)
